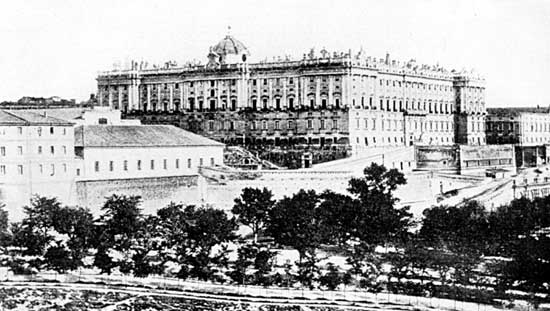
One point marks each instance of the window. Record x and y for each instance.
(64, 149)
(139, 165)
(165, 164)
(211, 161)
(264, 125)
(20, 130)
(41, 168)
(39, 130)
(2, 169)
(323, 124)
(177, 163)
(309, 124)
(20, 150)
(276, 125)
(212, 83)
(102, 121)
(125, 165)
(64, 168)
(52, 149)
(3, 151)
(20, 169)
(335, 124)
(201, 162)
(96, 166)
(51, 130)
(188, 163)
(111, 166)
(152, 164)
(39, 149)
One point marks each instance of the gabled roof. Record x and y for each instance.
(20, 117)
(138, 136)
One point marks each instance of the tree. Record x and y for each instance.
(293, 222)
(253, 207)
(336, 213)
(117, 229)
(34, 232)
(332, 278)
(192, 233)
(77, 224)
(377, 220)
(5, 236)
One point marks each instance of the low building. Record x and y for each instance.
(488, 160)
(142, 151)
(528, 129)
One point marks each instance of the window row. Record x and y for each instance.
(141, 165)
(43, 169)
(39, 130)
(39, 150)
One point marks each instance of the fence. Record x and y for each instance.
(352, 296)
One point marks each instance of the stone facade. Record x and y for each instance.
(345, 99)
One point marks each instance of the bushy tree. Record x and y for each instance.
(49, 230)
(294, 222)
(116, 231)
(378, 220)
(5, 234)
(252, 208)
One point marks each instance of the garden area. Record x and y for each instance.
(359, 241)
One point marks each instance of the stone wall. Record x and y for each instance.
(155, 192)
(437, 157)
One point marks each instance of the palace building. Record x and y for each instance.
(337, 100)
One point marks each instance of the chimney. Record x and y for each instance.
(387, 58)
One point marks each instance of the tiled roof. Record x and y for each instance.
(138, 136)
(63, 113)
(20, 117)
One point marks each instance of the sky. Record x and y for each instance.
(56, 48)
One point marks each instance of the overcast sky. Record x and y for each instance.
(57, 47)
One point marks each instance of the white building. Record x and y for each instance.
(81, 165)
(36, 156)
(142, 151)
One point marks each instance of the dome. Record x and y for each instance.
(230, 45)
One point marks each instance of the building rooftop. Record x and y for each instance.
(19, 117)
(515, 111)
(138, 136)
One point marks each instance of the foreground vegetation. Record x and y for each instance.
(461, 252)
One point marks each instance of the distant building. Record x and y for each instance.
(528, 129)
(333, 100)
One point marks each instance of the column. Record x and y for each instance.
(270, 93)
(148, 96)
(119, 89)
(330, 91)
(317, 92)
(171, 102)
(182, 105)
(303, 92)
(284, 103)
(160, 103)
(110, 97)
(218, 98)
